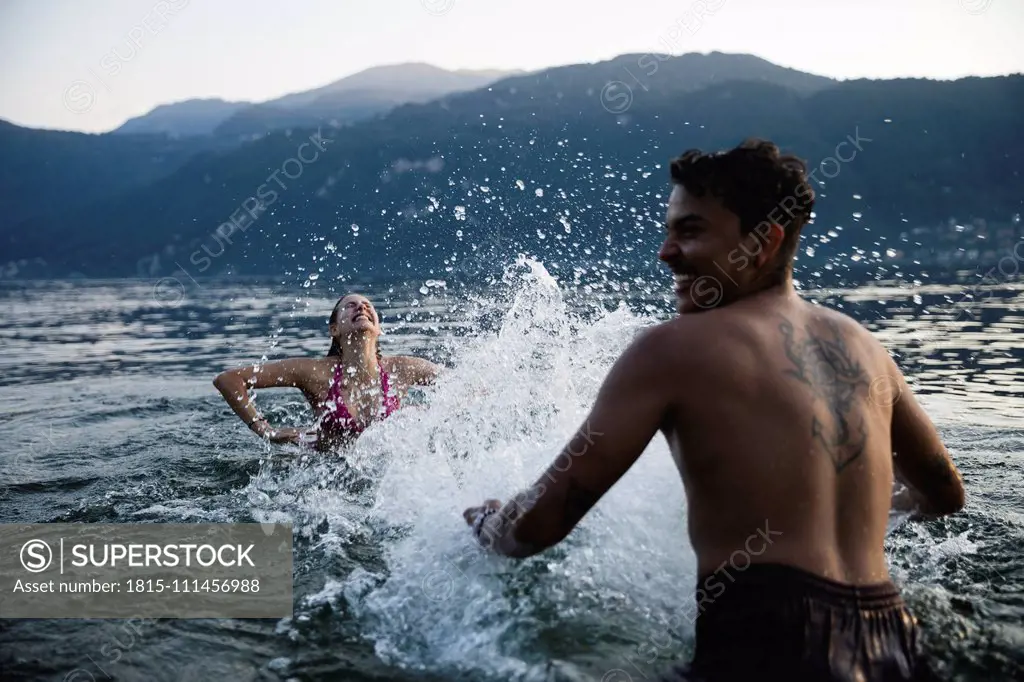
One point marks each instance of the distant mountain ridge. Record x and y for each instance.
(84, 175)
(543, 159)
(666, 74)
(413, 77)
(349, 99)
(182, 119)
(52, 171)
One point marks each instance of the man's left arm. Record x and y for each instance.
(630, 408)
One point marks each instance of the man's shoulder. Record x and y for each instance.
(662, 334)
(854, 335)
(840, 321)
(692, 330)
(675, 340)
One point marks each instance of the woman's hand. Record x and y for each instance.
(279, 436)
(285, 435)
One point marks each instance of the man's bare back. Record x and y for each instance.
(775, 425)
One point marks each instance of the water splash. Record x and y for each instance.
(494, 422)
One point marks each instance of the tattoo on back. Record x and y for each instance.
(826, 366)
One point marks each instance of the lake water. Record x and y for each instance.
(109, 416)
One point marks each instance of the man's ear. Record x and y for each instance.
(770, 237)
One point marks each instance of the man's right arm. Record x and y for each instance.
(630, 408)
(920, 459)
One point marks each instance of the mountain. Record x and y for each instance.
(418, 79)
(549, 164)
(182, 119)
(49, 171)
(61, 171)
(355, 97)
(637, 74)
(349, 99)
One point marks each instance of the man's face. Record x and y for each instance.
(709, 257)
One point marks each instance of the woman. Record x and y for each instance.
(348, 389)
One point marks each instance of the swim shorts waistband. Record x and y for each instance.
(780, 581)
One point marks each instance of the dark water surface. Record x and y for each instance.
(109, 416)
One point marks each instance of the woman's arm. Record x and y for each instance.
(234, 385)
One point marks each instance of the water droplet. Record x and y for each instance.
(539, 192)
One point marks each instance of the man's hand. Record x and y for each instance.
(908, 501)
(473, 513)
(904, 500)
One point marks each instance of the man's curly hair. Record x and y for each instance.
(755, 182)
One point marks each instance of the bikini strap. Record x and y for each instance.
(335, 389)
(390, 402)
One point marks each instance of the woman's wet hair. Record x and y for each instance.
(335, 349)
(757, 183)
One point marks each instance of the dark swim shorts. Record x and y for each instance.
(781, 623)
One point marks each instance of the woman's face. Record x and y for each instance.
(355, 315)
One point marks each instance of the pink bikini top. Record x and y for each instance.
(338, 420)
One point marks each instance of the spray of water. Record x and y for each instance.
(496, 419)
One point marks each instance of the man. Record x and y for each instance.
(785, 419)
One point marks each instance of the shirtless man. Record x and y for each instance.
(787, 421)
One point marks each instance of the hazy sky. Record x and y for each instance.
(124, 57)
